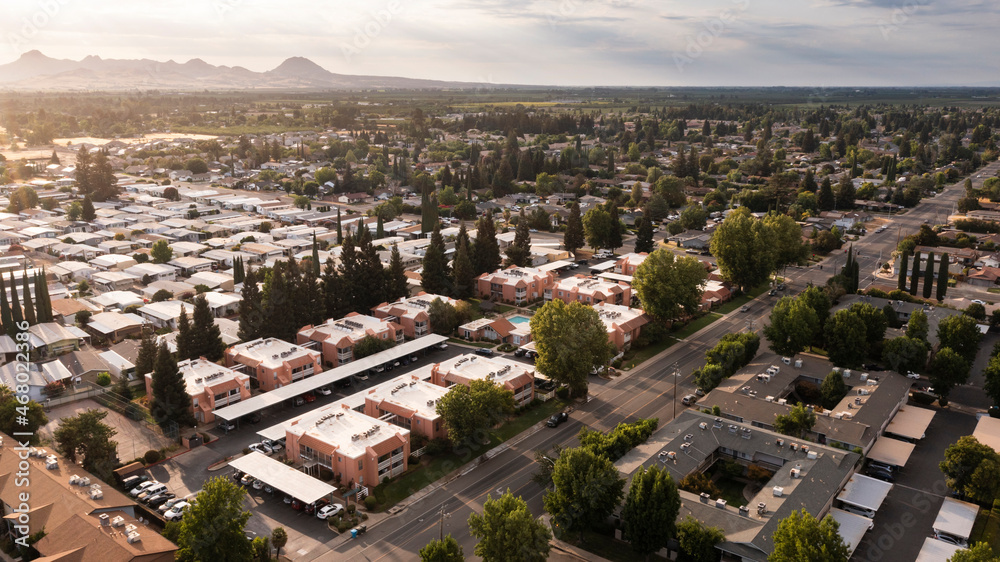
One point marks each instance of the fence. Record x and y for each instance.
(80, 392)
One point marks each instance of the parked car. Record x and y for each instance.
(141, 488)
(167, 505)
(689, 399)
(441, 345)
(176, 512)
(309, 396)
(258, 484)
(329, 511)
(287, 500)
(699, 392)
(485, 352)
(977, 301)
(260, 448)
(160, 499)
(325, 390)
(274, 445)
(413, 359)
(298, 401)
(863, 511)
(745, 308)
(133, 481)
(882, 475)
(227, 426)
(246, 480)
(297, 505)
(912, 375)
(519, 352)
(943, 537)
(157, 488)
(557, 419)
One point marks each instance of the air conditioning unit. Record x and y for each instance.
(134, 537)
(778, 491)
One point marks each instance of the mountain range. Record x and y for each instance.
(34, 71)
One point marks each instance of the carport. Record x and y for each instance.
(616, 277)
(554, 265)
(936, 551)
(282, 477)
(279, 395)
(892, 452)
(603, 266)
(910, 422)
(864, 491)
(852, 528)
(988, 432)
(956, 518)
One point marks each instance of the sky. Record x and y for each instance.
(814, 43)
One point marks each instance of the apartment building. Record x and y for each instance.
(337, 338)
(410, 403)
(517, 377)
(623, 323)
(274, 363)
(517, 285)
(589, 290)
(210, 386)
(412, 313)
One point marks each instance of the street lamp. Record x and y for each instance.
(675, 374)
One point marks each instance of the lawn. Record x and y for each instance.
(732, 491)
(472, 343)
(743, 299)
(695, 325)
(635, 357)
(987, 529)
(607, 547)
(439, 466)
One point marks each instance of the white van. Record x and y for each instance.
(863, 511)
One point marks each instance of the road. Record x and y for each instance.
(647, 391)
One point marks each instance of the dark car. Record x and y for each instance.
(882, 475)
(226, 425)
(133, 481)
(519, 352)
(161, 499)
(557, 419)
(484, 352)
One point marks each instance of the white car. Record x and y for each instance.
(260, 448)
(912, 375)
(977, 301)
(328, 511)
(258, 485)
(142, 487)
(176, 512)
(274, 445)
(324, 390)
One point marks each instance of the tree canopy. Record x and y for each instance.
(571, 340)
(744, 248)
(801, 537)
(469, 411)
(587, 489)
(507, 531)
(668, 286)
(213, 527)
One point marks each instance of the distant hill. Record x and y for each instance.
(34, 71)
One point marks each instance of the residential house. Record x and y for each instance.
(50, 339)
(41, 376)
(210, 386)
(108, 281)
(115, 326)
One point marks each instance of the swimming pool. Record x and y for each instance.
(518, 319)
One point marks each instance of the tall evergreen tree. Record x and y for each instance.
(463, 275)
(396, 286)
(239, 274)
(333, 291)
(279, 315)
(146, 360)
(170, 401)
(615, 233)
(903, 266)
(6, 318)
(251, 309)
(340, 229)
(15, 304)
(915, 274)
(29, 306)
(43, 304)
(574, 238)
(379, 228)
(929, 275)
(942, 282)
(352, 281)
(435, 276)
(89, 213)
(825, 198)
(314, 302)
(373, 274)
(644, 237)
(315, 258)
(487, 249)
(207, 337)
(519, 252)
(186, 344)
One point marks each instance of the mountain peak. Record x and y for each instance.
(298, 66)
(34, 54)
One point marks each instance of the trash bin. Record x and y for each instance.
(354, 533)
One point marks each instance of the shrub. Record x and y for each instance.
(370, 502)
(414, 459)
(104, 379)
(923, 398)
(437, 446)
(352, 508)
(562, 392)
(151, 456)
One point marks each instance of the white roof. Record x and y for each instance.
(865, 491)
(121, 299)
(554, 265)
(988, 432)
(355, 327)
(604, 265)
(410, 392)
(282, 477)
(910, 422)
(891, 451)
(615, 277)
(325, 378)
(199, 374)
(349, 431)
(108, 322)
(936, 551)
(956, 518)
(852, 527)
(272, 352)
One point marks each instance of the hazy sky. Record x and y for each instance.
(566, 42)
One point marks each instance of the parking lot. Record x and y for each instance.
(908, 513)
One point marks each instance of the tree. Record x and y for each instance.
(597, 228)
(915, 274)
(74, 211)
(445, 550)
(571, 340)
(992, 374)
(942, 281)
(435, 277)
(650, 510)
(904, 354)
(146, 359)
(801, 537)
(980, 552)
(967, 463)
(519, 251)
(207, 337)
(279, 538)
(6, 315)
(87, 212)
(793, 326)
(846, 339)
(693, 217)
(929, 275)
(573, 238)
(169, 402)
(796, 423)
(917, 326)
(668, 286)
(744, 249)
(396, 285)
(161, 252)
(961, 334)
(213, 527)
(787, 237)
(615, 228)
(947, 370)
(507, 531)
(903, 261)
(644, 236)
(251, 309)
(486, 250)
(469, 411)
(587, 489)
(42, 299)
(29, 306)
(697, 541)
(13, 414)
(833, 389)
(186, 338)
(86, 434)
(463, 274)
(875, 322)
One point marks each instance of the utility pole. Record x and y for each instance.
(674, 375)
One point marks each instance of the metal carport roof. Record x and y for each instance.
(865, 491)
(852, 527)
(936, 551)
(910, 422)
(891, 451)
(282, 477)
(325, 378)
(554, 265)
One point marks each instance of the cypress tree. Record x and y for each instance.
(169, 402)
(239, 274)
(435, 277)
(379, 229)
(915, 274)
(315, 257)
(903, 266)
(373, 274)
(825, 199)
(396, 285)
(43, 303)
(340, 229)
(251, 310)
(146, 360)
(615, 234)
(574, 238)
(463, 276)
(644, 237)
(311, 296)
(333, 296)
(519, 252)
(279, 318)
(5, 315)
(29, 306)
(929, 275)
(487, 250)
(15, 305)
(207, 338)
(88, 214)
(186, 344)
(942, 282)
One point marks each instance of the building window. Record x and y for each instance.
(361, 464)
